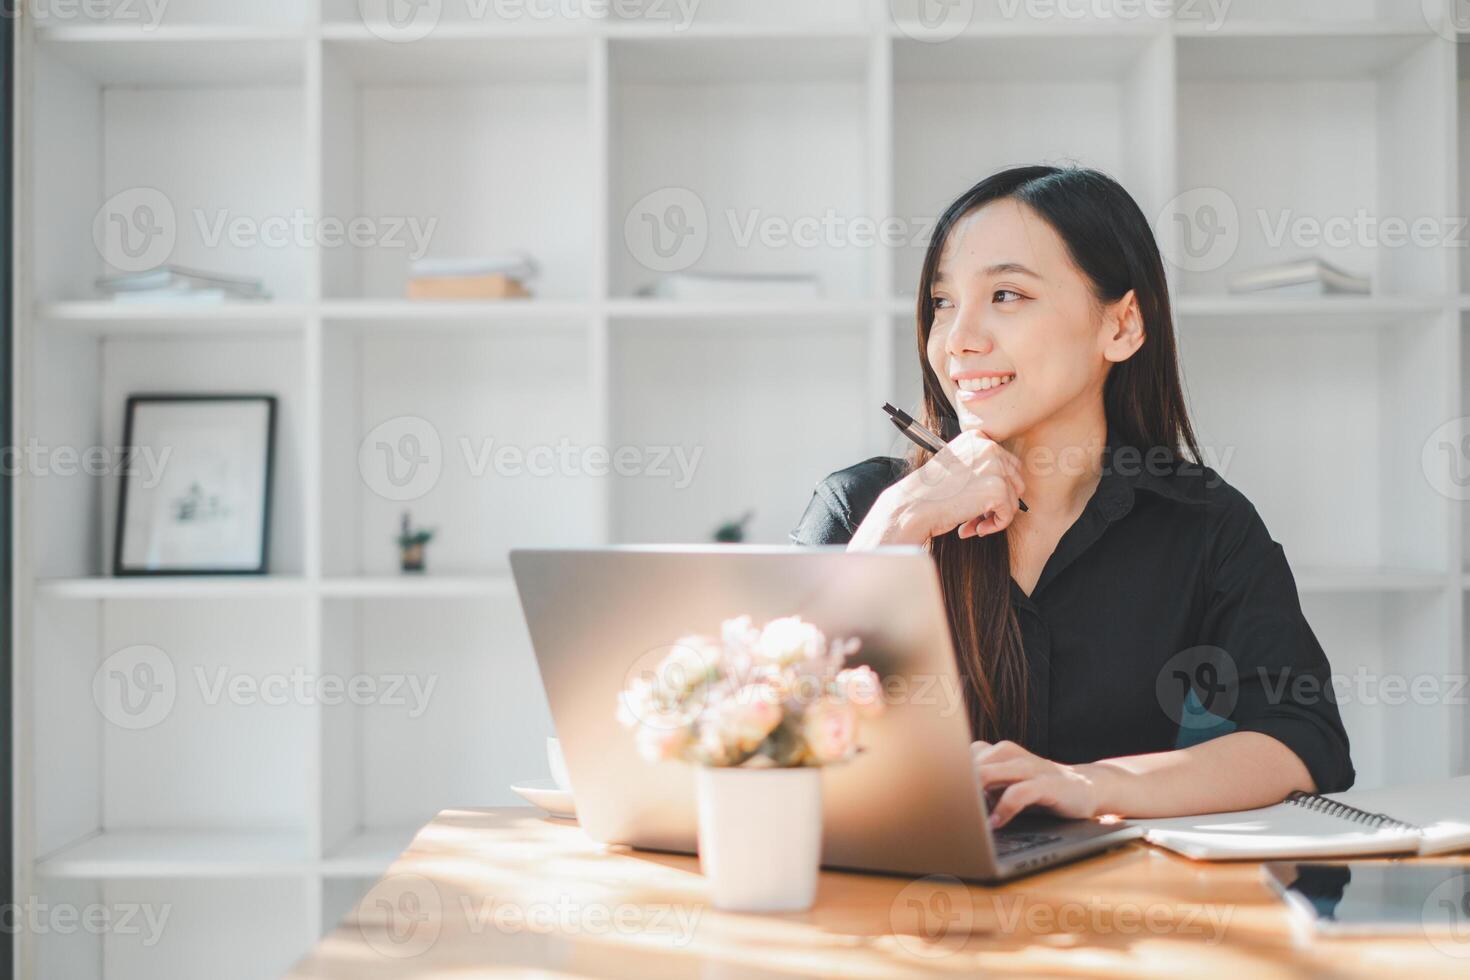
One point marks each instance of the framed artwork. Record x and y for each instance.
(195, 495)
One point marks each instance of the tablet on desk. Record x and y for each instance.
(1376, 898)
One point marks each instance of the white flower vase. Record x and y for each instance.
(760, 836)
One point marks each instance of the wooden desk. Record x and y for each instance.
(504, 892)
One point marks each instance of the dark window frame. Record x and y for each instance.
(7, 178)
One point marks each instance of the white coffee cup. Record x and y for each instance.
(558, 764)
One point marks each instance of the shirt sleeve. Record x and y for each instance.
(842, 500)
(1253, 613)
(825, 521)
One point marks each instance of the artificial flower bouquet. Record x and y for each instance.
(773, 696)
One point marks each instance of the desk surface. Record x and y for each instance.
(506, 891)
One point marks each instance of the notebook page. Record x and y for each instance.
(1441, 808)
(1281, 831)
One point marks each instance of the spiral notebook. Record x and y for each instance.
(1424, 818)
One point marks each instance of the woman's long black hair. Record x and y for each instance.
(1110, 241)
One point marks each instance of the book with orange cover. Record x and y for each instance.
(494, 286)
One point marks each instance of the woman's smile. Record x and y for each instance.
(974, 386)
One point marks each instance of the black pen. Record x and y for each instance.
(921, 436)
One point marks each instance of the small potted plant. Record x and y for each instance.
(733, 532)
(758, 712)
(412, 544)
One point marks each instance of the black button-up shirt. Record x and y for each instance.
(1166, 615)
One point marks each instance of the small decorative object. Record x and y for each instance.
(733, 532)
(759, 711)
(195, 491)
(411, 545)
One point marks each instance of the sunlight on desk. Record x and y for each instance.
(486, 893)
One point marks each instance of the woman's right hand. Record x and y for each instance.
(973, 484)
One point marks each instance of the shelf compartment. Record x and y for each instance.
(103, 317)
(458, 433)
(175, 587)
(456, 148)
(1333, 468)
(1098, 101)
(469, 313)
(917, 20)
(179, 853)
(643, 17)
(435, 60)
(427, 586)
(1317, 580)
(695, 186)
(233, 854)
(131, 175)
(1279, 16)
(250, 365)
(1394, 679)
(1238, 27)
(1301, 56)
(253, 319)
(707, 61)
(74, 512)
(148, 18)
(724, 402)
(174, 56)
(460, 18)
(668, 17)
(1363, 173)
(469, 680)
(222, 929)
(750, 314)
(206, 687)
(1306, 313)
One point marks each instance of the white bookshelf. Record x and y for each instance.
(260, 824)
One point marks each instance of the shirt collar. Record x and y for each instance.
(1128, 469)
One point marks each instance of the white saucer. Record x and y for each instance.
(548, 796)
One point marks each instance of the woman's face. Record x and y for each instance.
(1018, 336)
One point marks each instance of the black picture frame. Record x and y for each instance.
(119, 566)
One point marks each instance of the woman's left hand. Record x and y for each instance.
(1030, 780)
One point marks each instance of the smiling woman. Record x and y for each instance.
(1140, 592)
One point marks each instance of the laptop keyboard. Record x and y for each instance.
(1013, 841)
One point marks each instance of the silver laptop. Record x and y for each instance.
(907, 804)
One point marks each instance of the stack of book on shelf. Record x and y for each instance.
(1301, 277)
(487, 277)
(733, 287)
(175, 284)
